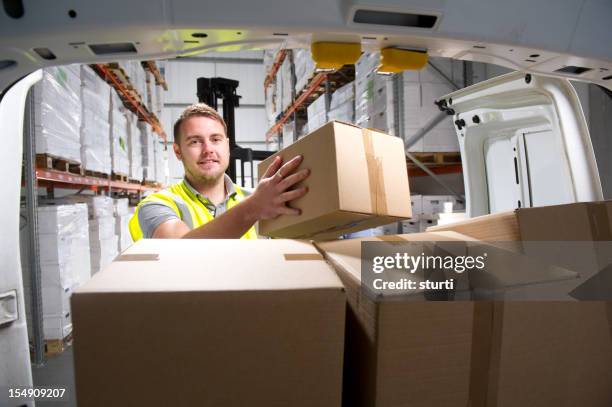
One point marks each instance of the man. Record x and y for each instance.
(206, 203)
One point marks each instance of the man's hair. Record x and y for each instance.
(197, 110)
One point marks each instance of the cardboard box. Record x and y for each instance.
(358, 181)
(401, 352)
(573, 236)
(406, 351)
(188, 322)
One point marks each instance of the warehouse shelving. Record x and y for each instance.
(129, 98)
(47, 171)
(278, 61)
(60, 179)
(152, 67)
(317, 85)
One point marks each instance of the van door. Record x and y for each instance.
(524, 142)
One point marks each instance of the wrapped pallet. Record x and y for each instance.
(161, 162)
(103, 240)
(342, 104)
(317, 114)
(374, 96)
(134, 148)
(147, 141)
(118, 136)
(57, 113)
(63, 242)
(304, 68)
(122, 218)
(94, 129)
(285, 78)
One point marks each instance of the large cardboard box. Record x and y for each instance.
(358, 181)
(211, 323)
(574, 236)
(405, 351)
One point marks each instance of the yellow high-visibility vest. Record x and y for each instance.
(187, 207)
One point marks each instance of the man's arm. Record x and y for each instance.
(267, 202)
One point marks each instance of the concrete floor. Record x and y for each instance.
(57, 372)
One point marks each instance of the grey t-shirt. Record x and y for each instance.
(153, 214)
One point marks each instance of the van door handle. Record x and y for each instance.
(8, 307)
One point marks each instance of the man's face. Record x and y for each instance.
(203, 149)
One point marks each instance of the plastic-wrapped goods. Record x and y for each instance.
(57, 113)
(286, 87)
(271, 104)
(134, 148)
(304, 68)
(103, 252)
(147, 140)
(420, 90)
(161, 162)
(150, 91)
(317, 116)
(342, 105)
(63, 241)
(65, 264)
(159, 100)
(95, 93)
(289, 131)
(118, 139)
(115, 102)
(98, 206)
(122, 231)
(374, 96)
(95, 148)
(120, 206)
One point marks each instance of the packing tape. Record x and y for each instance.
(485, 357)
(302, 256)
(392, 238)
(138, 257)
(376, 179)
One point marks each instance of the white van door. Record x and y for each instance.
(524, 142)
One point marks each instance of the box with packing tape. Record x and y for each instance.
(358, 181)
(402, 348)
(187, 322)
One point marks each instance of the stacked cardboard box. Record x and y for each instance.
(147, 142)
(63, 244)
(374, 96)
(317, 113)
(134, 147)
(574, 236)
(402, 350)
(118, 137)
(342, 104)
(420, 90)
(95, 127)
(275, 335)
(161, 162)
(103, 240)
(289, 131)
(284, 81)
(57, 116)
(122, 219)
(304, 68)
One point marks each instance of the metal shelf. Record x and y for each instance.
(129, 99)
(152, 67)
(278, 61)
(315, 88)
(61, 179)
(438, 170)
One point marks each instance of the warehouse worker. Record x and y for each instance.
(206, 203)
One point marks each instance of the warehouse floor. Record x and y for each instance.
(57, 372)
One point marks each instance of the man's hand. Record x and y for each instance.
(273, 191)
